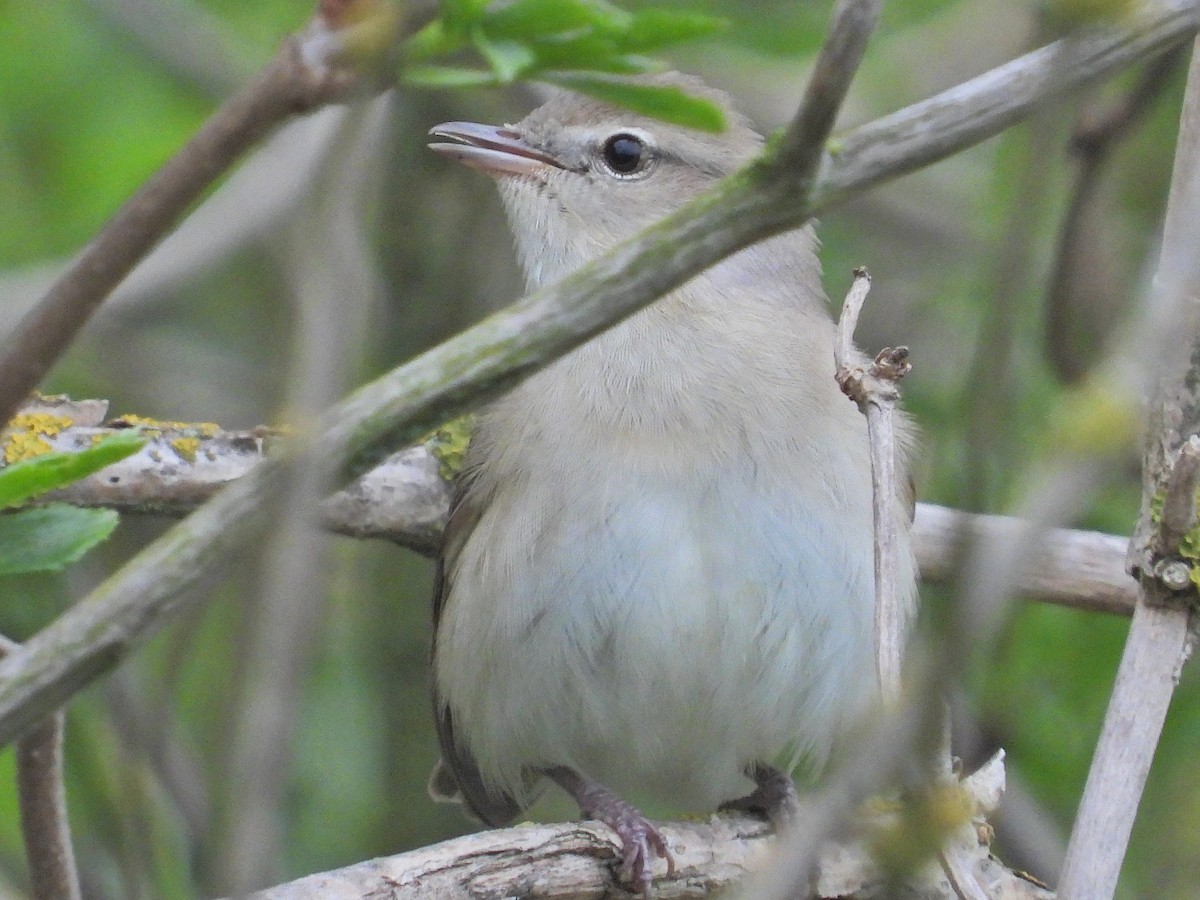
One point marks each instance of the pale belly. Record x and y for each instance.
(659, 634)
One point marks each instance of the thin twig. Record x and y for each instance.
(849, 31)
(482, 362)
(42, 798)
(874, 390)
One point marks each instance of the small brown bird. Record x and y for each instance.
(657, 577)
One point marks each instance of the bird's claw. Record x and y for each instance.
(640, 842)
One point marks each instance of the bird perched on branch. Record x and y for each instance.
(657, 576)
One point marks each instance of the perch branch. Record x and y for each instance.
(483, 361)
(1160, 635)
(577, 860)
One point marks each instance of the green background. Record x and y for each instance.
(90, 105)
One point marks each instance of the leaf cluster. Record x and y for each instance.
(47, 538)
(588, 46)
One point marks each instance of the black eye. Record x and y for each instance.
(625, 154)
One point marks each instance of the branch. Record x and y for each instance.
(1082, 569)
(874, 390)
(406, 498)
(42, 799)
(482, 362)
(1160, 636)
(965, 115)
(576, 860)
(840, 56)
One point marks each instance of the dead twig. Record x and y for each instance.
(874, 389)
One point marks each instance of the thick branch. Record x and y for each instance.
(480, 363)
(405, 499)
(576, 860)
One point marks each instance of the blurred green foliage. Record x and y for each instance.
(959, 255)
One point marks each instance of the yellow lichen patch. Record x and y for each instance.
(25, 445)
(186, 447)
(449, 443)
(158, 426)
(26, 434)
(40, 422)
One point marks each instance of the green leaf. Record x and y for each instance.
(50, 537)
(531, 19)
(508, 59)
(28, 478)
(667, 103)
(462, 15)
(447, 77)
(652, 29)
(431, 41)
(590, 52)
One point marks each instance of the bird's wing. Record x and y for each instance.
(456, 777)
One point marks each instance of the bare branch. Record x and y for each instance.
(405, 500)
(965, 115)
(575, 860)
(1160, 636)
(874, 390)
(1083, 569)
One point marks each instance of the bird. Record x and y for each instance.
(657, 574)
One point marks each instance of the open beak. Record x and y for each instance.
(497, 151)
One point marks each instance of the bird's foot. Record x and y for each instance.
(640, 840)
(775, 798)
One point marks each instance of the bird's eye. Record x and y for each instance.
(625, 154)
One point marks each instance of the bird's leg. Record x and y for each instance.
(639, 839)
(775, 797)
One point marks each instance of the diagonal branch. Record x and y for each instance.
(480, 363)
(292, 82)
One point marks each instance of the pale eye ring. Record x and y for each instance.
(625, 155)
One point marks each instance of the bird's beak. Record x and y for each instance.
(497, 151)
